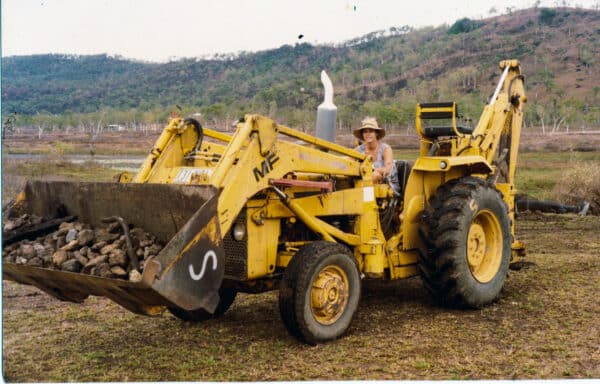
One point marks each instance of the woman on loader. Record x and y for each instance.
(370, 134)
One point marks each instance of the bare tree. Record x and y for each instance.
(557, 122)
(8, 127)
(41, 129)
(539, 110)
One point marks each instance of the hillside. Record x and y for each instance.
(382, 74)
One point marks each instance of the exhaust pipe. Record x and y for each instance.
(327, 111)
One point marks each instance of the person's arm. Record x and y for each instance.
(388, 163)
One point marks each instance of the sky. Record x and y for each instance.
(163, 30)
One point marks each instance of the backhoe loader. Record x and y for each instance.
(270, 207)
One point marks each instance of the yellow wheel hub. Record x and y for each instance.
(484, 246)
(329, 294)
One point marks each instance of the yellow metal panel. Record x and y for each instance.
(217, 135)
(231, 153)
(262, 247)
(405, 271)
(322, 143)
(157, 150)
(168, 153)
(307, 159)
(242, 181)
(188, 175)
(372, 241)
(283, 259)
(421, 186)
(418, 125)
(344, 202)
(517, 123)
(508, 194)
(267, 134)
(375, 260)
(250, 171)
(311, 221)
(446, 163)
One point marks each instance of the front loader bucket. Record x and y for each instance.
(187, 273)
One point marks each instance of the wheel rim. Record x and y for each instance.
(329, 294)
(484, 246)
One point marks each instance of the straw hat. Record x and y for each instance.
(369, 122)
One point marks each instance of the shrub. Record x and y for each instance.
(581, 183)
(547, 15)
(463, 25)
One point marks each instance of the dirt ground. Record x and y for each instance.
(544, 326)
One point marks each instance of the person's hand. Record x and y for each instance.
(377, 176)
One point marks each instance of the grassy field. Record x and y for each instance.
(545, 324)
(15, 173)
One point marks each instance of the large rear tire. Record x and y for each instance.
(319, 292)
(467, 232)
(226, 298)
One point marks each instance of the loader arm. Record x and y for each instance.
(259, 159)
(181, 153)
(256, 156)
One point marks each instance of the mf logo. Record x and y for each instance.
(266, 166)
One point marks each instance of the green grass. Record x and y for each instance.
(537, 172)
(15, 173)
(406, 154)
(86, 171)
(69, 149)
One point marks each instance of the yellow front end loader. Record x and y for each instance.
(270, 207)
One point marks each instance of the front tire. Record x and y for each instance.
(319, 292)
(467, 230)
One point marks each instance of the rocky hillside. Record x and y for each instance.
(383, 73)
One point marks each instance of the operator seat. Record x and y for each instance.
(403, 168)
(447, 111)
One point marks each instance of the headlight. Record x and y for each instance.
(239, 231)
(443, 164)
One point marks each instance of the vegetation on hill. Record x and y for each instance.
(384, 73)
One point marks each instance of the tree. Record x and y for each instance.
(547, 16)
(586, 55)
(541, 114)
(463, 25)
(8, 125)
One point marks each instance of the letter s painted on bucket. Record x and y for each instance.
(208, 255)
